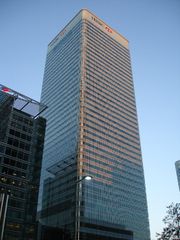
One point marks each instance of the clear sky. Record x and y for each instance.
(153, 29)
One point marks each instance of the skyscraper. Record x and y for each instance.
(177, 165)
(21, 146)
(92, 129)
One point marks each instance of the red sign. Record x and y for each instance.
(108, 29)
(4, 89)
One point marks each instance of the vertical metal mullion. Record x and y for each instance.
(4, 215)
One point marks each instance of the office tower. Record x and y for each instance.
(21, 147)
(177, 165)
(92, 129)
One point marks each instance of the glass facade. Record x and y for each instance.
(21, 148)
(92, 130)
(177, 166)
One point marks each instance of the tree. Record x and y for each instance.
(171, 231)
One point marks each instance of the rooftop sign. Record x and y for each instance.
(105, 28)
(86, 15)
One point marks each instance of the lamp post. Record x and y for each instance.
(78, 204)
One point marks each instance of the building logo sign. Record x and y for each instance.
(97, 21)
(106, 28)
(4, 89)
(85, 15)
(63, 33)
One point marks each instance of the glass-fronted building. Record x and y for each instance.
(177, 166)
(21, 146)
(92, 129)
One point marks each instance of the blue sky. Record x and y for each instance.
(153, 30)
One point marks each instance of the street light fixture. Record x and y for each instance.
(88, 178)
(78, 204)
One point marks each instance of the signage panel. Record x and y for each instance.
(104, 27)
(85, 14)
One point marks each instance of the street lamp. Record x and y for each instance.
(88, 178)
(78, 204)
